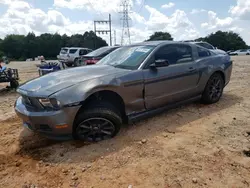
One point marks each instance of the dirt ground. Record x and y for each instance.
(192, 146)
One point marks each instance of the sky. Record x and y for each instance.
(183, 19)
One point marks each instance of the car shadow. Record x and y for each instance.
(55, 152)
(6, 91)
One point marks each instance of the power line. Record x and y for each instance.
(142, 5)
(95, 9)
(125, 22)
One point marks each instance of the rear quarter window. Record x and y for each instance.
(72, 51)
(63, 51)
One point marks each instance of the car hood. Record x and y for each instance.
(53, 82)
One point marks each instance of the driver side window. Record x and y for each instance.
(175, 54)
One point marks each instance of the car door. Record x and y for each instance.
(243, 52)
(169, 84)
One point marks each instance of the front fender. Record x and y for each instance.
(81, 91)
(128, 86)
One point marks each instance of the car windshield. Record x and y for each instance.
(100, 51)
(129, 57)
(64, 51)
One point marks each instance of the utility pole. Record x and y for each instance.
(109, 22)
(114, 37)
(110, 34)
(95, 36)
(125, 22)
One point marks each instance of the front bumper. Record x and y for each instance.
(52, 124)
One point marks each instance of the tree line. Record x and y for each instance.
(222, 40)
(20, 47)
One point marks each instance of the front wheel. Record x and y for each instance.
(97, 123)
(214, 89)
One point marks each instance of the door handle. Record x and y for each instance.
(191, 69)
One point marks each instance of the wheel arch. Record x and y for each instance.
(206, 98)
(107, 96)
(221, 73)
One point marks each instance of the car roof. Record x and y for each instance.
(110, 47)
(79, 48)
(156, 43)
(195, 42)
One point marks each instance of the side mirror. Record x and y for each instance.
(160, 63)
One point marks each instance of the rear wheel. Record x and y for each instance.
(97, 123)
(214, 89)
(248, 54)
(69, 64)
(75, 62)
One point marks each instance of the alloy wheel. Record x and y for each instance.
(95, 129)
(215, 88)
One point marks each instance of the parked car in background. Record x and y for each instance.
(228, 52)
(70, 56)
(63, 53)
(5, 60)
(240, 52)
(96, 55)
(210, 47)
(92, 102)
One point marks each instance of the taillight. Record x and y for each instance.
(91, 61)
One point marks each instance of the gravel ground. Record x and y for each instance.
(192, 146)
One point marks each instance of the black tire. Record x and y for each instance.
(248, 54)
(75, 62)
(69, 64)
(214, 89)
(89, 124)
(14, 84)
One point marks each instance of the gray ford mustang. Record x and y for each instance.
(92, 102)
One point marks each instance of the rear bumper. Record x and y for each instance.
(53, 124)
(65, 60)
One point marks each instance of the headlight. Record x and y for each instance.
(50, 103)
